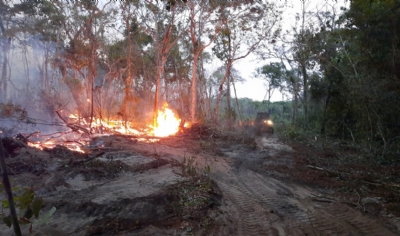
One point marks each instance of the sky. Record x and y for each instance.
(254, 88)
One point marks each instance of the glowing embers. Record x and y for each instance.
(167, 123)
(53, 143)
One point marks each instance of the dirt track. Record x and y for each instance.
(261, 205)
(135, 198)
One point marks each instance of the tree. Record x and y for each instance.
(373, 77)
(163, 23)
(273, 74)
(260, 20)
(201, 22)
(5, 41)
(130, 29)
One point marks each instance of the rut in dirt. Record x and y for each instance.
(261, 205)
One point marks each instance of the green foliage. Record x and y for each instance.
(29, 206)
(356, 92)
(274, 73)
(25, 199)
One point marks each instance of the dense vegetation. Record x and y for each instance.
(339, 69)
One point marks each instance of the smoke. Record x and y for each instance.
(26, 90)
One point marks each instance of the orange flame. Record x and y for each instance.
(51, 144)
(168, 123)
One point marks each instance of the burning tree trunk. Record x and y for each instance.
(160, 71)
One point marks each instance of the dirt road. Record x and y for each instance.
(140, 188)
(260, 205)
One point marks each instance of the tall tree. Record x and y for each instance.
(85, 32)
(6, 15)
(260, 20)
(131, 28)
(165, 24)
(201, 23)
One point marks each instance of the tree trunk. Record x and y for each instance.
(221, 86)
(228, 100)
(26, 67)
(237, 104)
(158, 84)
(3, 81)
(77, 92)
(46, 72)
(229, 87)
(209, 102)
(128, 79)
(194, 89)
(324, 118)
(295, 89)
(92, 76)
(305, 105)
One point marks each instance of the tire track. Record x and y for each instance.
(361, 223)
(256, 197)
(253, 219)
(276, 197)
(261, 205)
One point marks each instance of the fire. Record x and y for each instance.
(51, 144)
(167, 123)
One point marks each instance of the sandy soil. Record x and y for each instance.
(229, 184)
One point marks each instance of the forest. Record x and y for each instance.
(337, 66)
(123, 117)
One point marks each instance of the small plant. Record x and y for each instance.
(189, 166)
(207, 170)
(30, 206)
